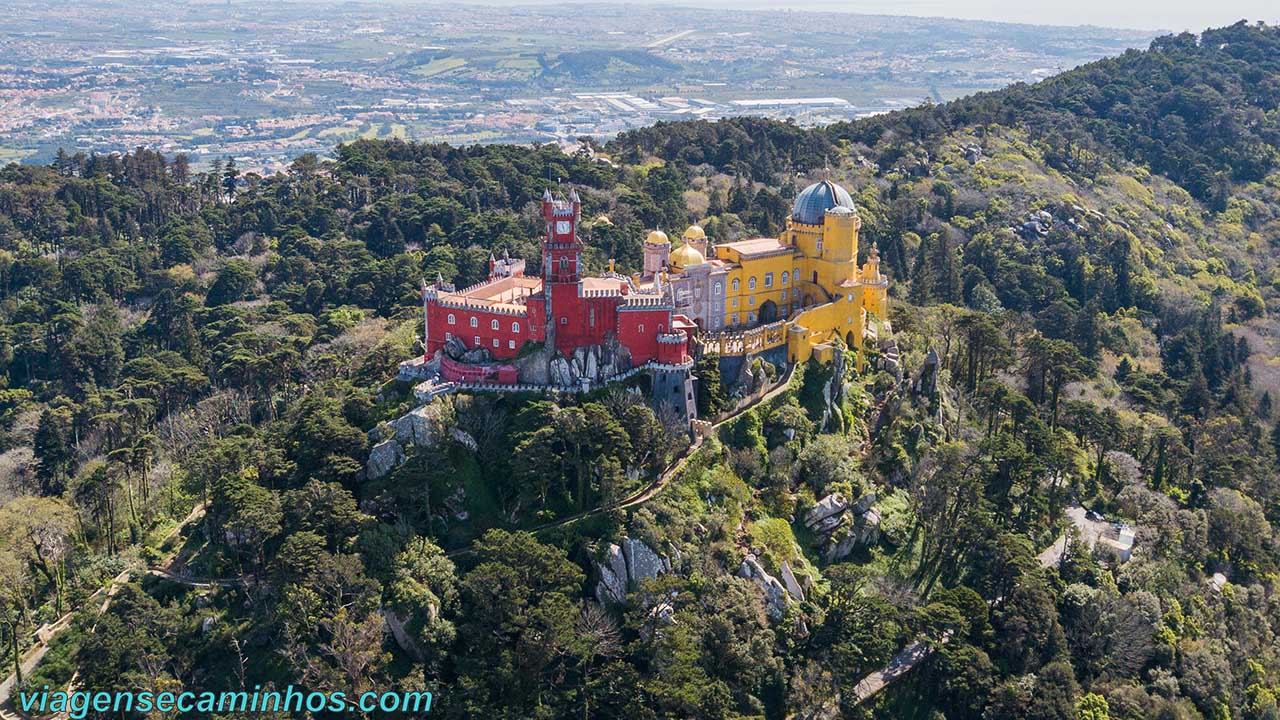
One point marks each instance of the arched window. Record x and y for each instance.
(751, 283)
(795, 275)
(564, 265)
(493, 325)
(736, 285)
(515, 328)
(474, 321)
(718, 288)
(452, 320)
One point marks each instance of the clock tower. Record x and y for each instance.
(561, 250)
(561, 264)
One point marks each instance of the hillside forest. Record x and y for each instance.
(1083, 299)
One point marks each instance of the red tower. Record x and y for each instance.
(561, 265)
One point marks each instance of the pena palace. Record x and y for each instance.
(787, 299)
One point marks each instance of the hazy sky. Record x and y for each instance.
(1139, 14)
(1144, 14)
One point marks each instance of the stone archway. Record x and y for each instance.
(768, 311)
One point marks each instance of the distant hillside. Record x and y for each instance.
(1157, 171)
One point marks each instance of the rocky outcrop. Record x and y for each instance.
(642, 563)
(395, 626)
(926, 384)
(592, 364)
(625, 567)
(454, 347)
(560, 372)
(833, 395)
(864, 530)
(775, 594)
(420, 426)
(829, 506)
(790, 583)
(864, 504)
(383, 458)
(841, 526)
(613, 577)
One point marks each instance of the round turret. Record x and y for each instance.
(657, 237)
(685, 256)
(814, 201)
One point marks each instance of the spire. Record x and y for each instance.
(439, 280)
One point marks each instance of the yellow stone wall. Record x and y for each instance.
(827, 258)
(745, 300)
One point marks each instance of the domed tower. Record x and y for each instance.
(685, 256)
(696, 237)
(823, 226)
(657, 248)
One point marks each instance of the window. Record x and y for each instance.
(477, 341)
(511, 344)
(785, 275)
(564, 320)
(736, 285)
(495, 342)
(474, 322)
(819, 245)
(751, 283)
(795, 292)
(452, 320)
(591, 317)
(751, 317)
(641, 328)
(735, 318)
(564, 265)
(795, 275)
(735, 302)
(448, 336)
(718, 288)
(751, 301)
(493, 325)
(768, 280)
(515, 328)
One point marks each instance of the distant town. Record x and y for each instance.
(264, 83)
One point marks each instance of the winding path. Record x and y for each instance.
(46, 633)
(164, 570)
(917, 650)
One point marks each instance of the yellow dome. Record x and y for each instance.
(694, 233)
(685, 256)
(603, 220)
(657, 237)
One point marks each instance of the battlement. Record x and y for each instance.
(633, 302)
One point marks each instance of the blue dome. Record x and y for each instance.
(814, 201)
